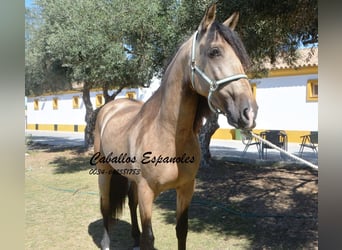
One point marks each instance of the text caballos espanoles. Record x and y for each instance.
(146, 158)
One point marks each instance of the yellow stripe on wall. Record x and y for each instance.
(221, 133)
(230, 134)
(60, 127)
(294, 136)
(31, 126)
(45, 127)
(224, 133)
(81, 128)
(293, 71)
(65, 127)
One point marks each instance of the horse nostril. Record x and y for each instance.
(247, 118)
(246, 114)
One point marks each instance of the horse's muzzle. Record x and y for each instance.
(243, 118)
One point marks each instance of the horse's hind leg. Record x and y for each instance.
(104, 186)
(184, 196)
(145, 198)
(113, 190)
(133, 203)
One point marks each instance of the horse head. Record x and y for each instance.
(218, 61)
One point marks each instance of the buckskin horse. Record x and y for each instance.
(143, 149)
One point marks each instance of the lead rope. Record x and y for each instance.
(281, 150)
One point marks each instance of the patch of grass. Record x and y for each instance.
(62, 207)
(62, 210)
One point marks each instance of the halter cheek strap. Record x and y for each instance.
(213, 84)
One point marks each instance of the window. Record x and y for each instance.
(36, 104)
(75, 102)
(131, 95)
(55, 103)
(312, 90)
(99, 100)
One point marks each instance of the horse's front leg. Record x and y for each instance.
(146, 197)
(184, 196)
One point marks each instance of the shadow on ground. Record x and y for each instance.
(275, 207)
(53, 141)
(65, 165)
(76, 158)
(47, 147)
(120, 234)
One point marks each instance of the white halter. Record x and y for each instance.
(213, 84)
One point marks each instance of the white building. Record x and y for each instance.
(287, 99)
(66, 111)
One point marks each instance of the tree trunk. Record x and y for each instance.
(91, 114)
(107, 96)
(88, 132)
(209, 128)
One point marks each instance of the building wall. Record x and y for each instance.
(282, 105)
(66, 117)
(64, 114)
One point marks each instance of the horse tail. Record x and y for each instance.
(118, 192)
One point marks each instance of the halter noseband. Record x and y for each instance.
(213, 84)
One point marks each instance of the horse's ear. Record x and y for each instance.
(208, 18)
(232, 21)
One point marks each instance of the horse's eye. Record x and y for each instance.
(214, 52)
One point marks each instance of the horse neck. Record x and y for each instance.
(177, 101)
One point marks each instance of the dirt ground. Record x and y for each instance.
(275, 207)
(282, 201)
